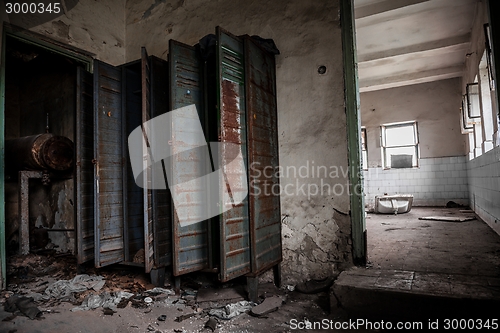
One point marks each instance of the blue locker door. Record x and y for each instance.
(109, 165)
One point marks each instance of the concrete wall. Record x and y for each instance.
(434, 105)
(311, 115)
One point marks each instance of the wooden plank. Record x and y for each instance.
(448, 218)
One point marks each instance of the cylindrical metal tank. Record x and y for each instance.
(39, 152)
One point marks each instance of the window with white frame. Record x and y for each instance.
(474, 113)
(399, 143)
(364, 151)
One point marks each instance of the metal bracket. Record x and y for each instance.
(24, 216)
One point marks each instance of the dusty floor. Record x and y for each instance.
(437, 268)
(404, 242)
(34, 273)
(458, 262)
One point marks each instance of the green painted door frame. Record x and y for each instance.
(3, 257)
(351, 90)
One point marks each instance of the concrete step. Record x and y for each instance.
(410, 295)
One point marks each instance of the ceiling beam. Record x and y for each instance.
(410, 11)
(410, 78)
(462, 41)
(381, 7)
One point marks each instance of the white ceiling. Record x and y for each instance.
(403, 42)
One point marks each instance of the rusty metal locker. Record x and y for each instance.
(234, 223)
(115, 217)
(262, 140)
(190, 242)
(235, 86)
(109, 175)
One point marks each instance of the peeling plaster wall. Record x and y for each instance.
(94, 26)
(311, 115)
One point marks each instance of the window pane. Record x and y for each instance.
(400, 136)
(363, 138)
(398, 154)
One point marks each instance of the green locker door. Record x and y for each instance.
(234, 223)
(190, 241)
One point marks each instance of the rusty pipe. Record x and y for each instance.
(39, 152)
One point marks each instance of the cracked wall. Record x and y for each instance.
(311, 115)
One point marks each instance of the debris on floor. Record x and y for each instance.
(453, 204)
(64, 289)
(231, 310)
(448, 218)
(211, 324)
(23, 305)
(125, 295)
(105, 300)
(184, 317)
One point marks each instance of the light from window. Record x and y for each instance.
(400, 145)
(364, 154)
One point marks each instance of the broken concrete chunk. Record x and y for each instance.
(315, 286)
(211, 324)
(270, 304)
(108, 311)
(184, 317)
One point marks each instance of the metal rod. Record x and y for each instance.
(59, 229)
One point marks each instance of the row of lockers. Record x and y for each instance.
(233, 87)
